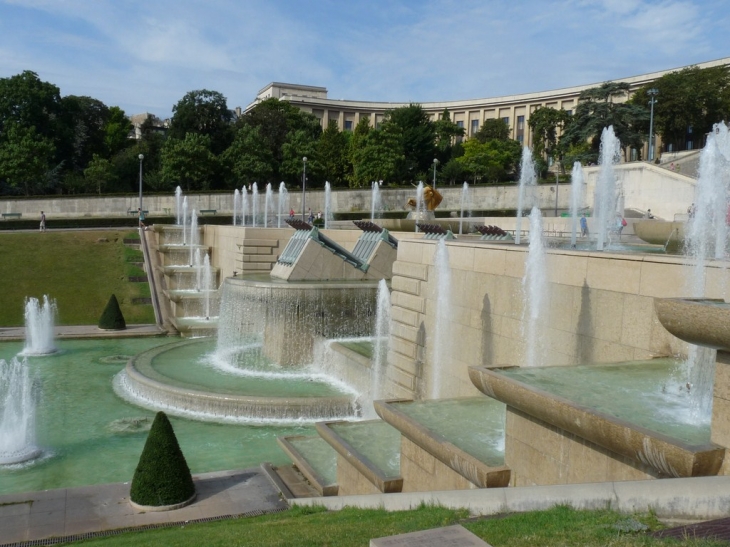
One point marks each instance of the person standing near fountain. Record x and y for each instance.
(583, 226)
(43, 221)
(140, 213)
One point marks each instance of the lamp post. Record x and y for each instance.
(435, 163)
(141, 157)
(304, 188)
(652, 93)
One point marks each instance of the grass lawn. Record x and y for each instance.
(309, 527)
(79, 269)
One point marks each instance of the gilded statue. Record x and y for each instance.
(431, 198)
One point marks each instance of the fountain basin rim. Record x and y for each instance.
(385, 483)
(700, 321)
(319, 483)
(460, 461)
(265, 281)
(147, 384)
(667, 455)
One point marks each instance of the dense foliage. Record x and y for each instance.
(112, 318)
(162, 476)
(75, 145)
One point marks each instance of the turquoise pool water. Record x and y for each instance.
(91, 436)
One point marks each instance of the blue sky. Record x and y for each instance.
(145, 55)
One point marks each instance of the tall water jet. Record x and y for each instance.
(576, 200)
(17, 413)
(327, 204)
(194, 236)
(535, 292)
(185, 220)
(178, 206)
(236, 206)
(376, 202)
(441, 335)
(465, 204)
(283, 203)
(706, 238)
(254, 204)
(39, 323)
(525, 195)
(380, 343)
(420, 204)
(604, 206)
(207, 284)
(244, 205)
(268, 203)
(198, 265)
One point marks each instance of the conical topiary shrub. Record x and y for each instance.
(162, 476)
(112, 318)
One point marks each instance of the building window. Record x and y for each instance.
(520, 123)
(348, 125)
(689, 145)
(506, 121)
(460, 124)
(474, 127)
(570, 112)
(520, 138)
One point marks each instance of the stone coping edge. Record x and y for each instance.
(319, 484)
(695, 498)
(158, 508)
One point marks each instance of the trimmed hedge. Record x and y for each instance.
(112, 318)
(162, 476)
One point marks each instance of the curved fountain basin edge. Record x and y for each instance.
(696, 320)
(307, 470)
(463, 463)
(382, 482)
(661, 232)
(668, 456)
(149, 384)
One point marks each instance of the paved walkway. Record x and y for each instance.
(71, 514)
(85, 331)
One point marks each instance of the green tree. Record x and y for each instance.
(491, 160)
(298, 145)
(116, 131)
(453, 172)
(275, 120)
(601, 107)
(493, 129)
(189, 162)
(332, 152)
(357, 142)
(99, 174)
(690, 99)
(84, 122)
(26, 158)
(379, 156)
(248, 157)
(27, 102)
(447, 133)
(203, 112)
(417, 140)
(545, 123)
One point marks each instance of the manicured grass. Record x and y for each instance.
(309, 527)
(77, 268)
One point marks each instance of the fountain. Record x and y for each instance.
(525, 196)
(382, 336)
(244, 205)
(535, 292)
(465, 205)
(185, 220)
(194, 236)
(442, 337)
(268, 203)
(420, 204)
(376, 202)
(17, 413)
(236, 206)
(39, 322)
(254, 204)
(327, 204)
(207, 284)
(605, 201)
(576, 200)
(178, 206)
(283, 204)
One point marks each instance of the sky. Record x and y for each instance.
(143, 56)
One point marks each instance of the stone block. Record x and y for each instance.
(409, 269)
(611, 274)
(489, 261)
(636, 324)
(406, 285)
(408, 301)
(407, 317)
